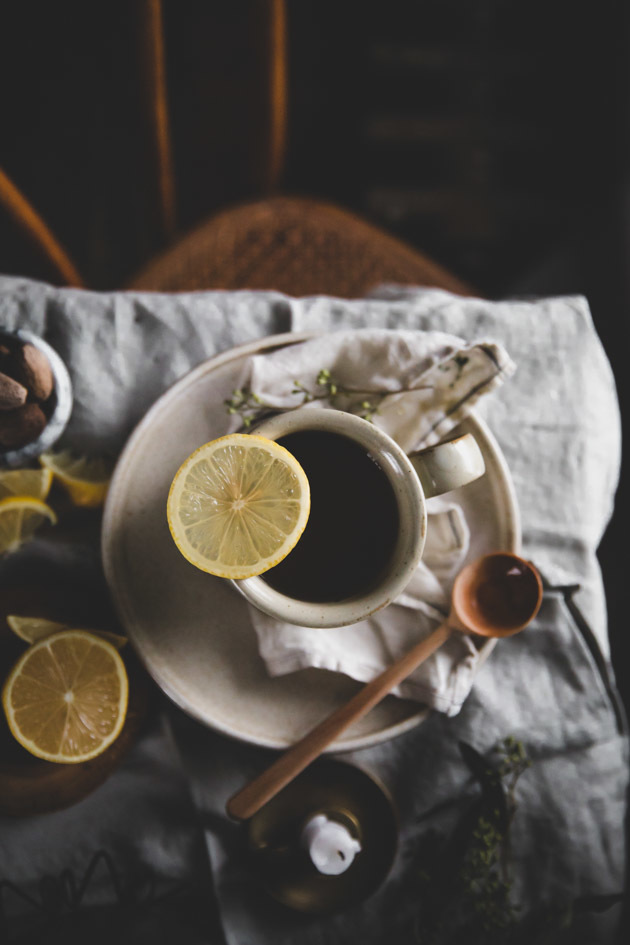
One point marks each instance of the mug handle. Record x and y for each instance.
(449, 465)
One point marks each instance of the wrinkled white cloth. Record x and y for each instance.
(421, 383)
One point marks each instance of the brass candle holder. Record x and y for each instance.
(345, 794)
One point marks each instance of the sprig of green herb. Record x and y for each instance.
(334, 392)
(250, 407)
(247, 405)
(465, 880)
(470, 886)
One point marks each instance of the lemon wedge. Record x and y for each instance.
(65, 699)
(238, 505)
(31, 482)
(85, 479)
(34, 629)
(20, 517)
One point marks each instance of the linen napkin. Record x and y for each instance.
(420, 385)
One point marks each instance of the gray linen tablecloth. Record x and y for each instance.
(557, 422)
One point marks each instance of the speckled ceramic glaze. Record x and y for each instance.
(413, 479)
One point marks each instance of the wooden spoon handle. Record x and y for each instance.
(246, 802)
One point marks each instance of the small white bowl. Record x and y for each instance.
(58, 407)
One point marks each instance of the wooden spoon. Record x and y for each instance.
(495, 596)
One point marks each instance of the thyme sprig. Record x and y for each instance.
(465, 880)
(470, 886)
(485, 870)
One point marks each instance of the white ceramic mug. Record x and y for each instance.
(413, 479)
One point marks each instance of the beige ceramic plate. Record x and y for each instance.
(191, 629)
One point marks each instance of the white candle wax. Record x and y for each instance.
(330, 845)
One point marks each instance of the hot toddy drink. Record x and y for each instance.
(352, 531)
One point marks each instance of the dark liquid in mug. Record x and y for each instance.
(352, 529)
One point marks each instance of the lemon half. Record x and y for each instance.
(238, 505)
(65, 699)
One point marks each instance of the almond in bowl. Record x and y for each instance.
(35, 397)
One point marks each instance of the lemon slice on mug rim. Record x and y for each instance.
(238, 505)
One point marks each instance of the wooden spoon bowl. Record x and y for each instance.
(498, 595)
